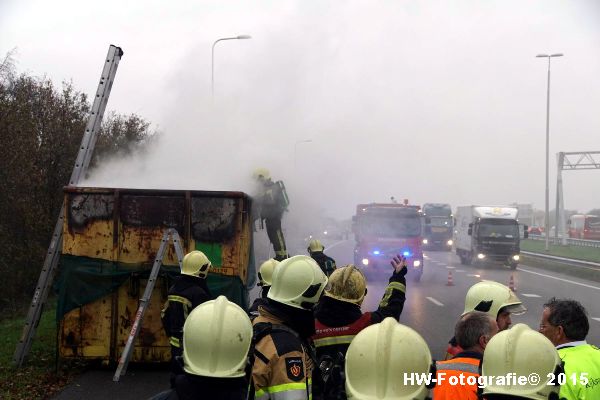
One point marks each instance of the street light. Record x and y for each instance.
(296, 148)
(547, 216)
(212, 69)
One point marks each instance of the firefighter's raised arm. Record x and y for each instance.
(399, 263)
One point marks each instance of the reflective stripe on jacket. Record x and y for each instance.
(187, 293)
(460, 368)
(340, 335)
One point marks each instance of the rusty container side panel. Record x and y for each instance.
(85, 331)
(143, 220)
(89, 226)
(126, 226)
(151, 345)
(224, 221)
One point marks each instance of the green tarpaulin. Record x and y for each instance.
(82, 280)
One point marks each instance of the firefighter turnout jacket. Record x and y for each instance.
(326, 263)
(465, 364)
(186, 294)
(337, 322)
(283, 365)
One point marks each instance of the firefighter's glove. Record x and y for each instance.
(399, 264)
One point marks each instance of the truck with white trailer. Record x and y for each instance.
(488, 234)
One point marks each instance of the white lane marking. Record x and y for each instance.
(530, 295)
(474, 275)
(450, 267)
(559, 279)
(597, 319)
(460, 270)
(434, 301)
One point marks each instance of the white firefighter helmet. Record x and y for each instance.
(216, 339)
(490, 297)
(315, 245)
(265, 272)
(298, 282)
(195, 263)
(523, 352)
(261, 173)
(380, 355)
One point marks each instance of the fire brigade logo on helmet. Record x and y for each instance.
(294, 368)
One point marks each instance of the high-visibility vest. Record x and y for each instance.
(583, 359)
(449, 372)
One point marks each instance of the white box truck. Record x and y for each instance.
(488, 234)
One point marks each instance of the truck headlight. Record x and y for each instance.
(416, 263)
(481, 256)
(450, 242)
(365, 261)
(516, 257)
(425, 241)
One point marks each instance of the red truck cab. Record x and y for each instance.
(382, 231)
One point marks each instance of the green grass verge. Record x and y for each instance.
(39, 377)
(550, 265)
(576, 252)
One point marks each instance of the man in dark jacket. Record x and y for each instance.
(338, 317)
(315, 249)
(188, 292)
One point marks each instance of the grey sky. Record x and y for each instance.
(434, 101)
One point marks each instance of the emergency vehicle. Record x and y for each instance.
(584, 227)
(382, 231)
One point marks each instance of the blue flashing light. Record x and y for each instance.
(376, 252)
(406, 253)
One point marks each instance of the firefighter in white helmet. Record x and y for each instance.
(265, 276)
(216, 339)
(492, 298)
(270, 202)
(316, 251)
(522, 352)
(379, 358)
(338, 318)
(187, 292)
(282, 362)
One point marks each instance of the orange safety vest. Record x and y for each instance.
(450, 375)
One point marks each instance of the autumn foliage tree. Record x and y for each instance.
(41, 127)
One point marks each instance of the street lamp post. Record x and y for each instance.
(212, 59)
(547, 214)
(296, 148)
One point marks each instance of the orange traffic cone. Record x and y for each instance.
(450, 282)
(511, 283)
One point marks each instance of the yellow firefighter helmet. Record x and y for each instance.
(347, 284)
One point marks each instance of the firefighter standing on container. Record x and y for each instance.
(270, 204)
(188, 292)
